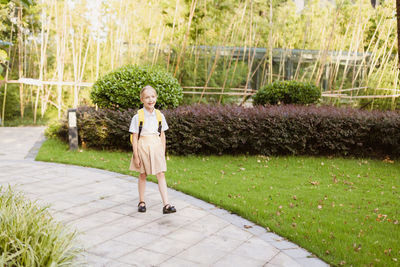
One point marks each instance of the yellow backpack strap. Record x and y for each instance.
(159, 119)
(141, 120)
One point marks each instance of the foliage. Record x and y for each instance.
(211, 20)
(8, 18)
(287, 92)
(195, 71)
(97, 36)
(121, 88)
(3, 59)
(380, 103)
(272, 130)
(12, 109)
(342, 210)
(109, 127)
(30, 236)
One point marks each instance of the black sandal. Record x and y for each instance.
(168, 209)
(140, 207)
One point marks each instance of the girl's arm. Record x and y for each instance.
(135, 149)
(163, 140)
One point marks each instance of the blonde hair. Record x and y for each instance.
(147, 87)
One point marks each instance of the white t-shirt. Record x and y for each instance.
(150, 124)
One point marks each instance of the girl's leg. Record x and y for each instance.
(162, 186)
(142, 186)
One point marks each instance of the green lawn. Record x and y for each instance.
(345, 211)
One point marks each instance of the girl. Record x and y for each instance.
(148, 144)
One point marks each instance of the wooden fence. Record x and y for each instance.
(201, 90)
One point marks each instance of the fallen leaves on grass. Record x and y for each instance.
(314, 182)
(388, 160)
(347, 182)
(387, 251)
(356, 247)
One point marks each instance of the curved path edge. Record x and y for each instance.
(101, 206)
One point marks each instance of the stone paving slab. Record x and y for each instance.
(101, 206)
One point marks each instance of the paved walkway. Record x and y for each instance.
(101, 205)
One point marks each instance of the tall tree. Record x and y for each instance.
(398, 29)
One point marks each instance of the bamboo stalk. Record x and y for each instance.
(172, 34)
(325, 52)
(46, 92)
(182, 52)
(395, 91)
(384, 63)
(250, 59)
(158, 46)
(398, 31)
(383, 53)
(226, 74)
(319, 56)
(20, 60)
(356, 39)
(369, 46)
(270, 41)
(43, 47)
(211, 71)
(242, 38)
(60, 38)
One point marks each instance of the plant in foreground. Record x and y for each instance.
(29, 236)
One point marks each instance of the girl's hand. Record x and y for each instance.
(137, 163)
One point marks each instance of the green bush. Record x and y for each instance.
(121, 88)
(30, 236)
(287, 92)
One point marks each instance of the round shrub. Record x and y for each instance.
(120, 89)
(287, 92)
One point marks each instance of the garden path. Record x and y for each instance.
(101, 205)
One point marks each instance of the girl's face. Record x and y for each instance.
(149, 99)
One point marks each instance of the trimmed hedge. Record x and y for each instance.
(272, 130)
(120, 89)
(287, 92)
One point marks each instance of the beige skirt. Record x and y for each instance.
(151, 155)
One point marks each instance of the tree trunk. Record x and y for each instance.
(182, 52)
(398, 29)
(20, 61)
